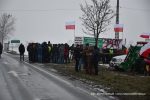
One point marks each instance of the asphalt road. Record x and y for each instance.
(23, 81)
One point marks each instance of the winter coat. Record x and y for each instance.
(21, 49)
(95, 55)
(77, 54)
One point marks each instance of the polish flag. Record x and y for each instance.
(118, 28)
(145, 35)
(145, 50)
(70, 25)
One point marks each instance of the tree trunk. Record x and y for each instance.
(97, 35)
(2, 38)
(96, 41)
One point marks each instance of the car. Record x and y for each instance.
(116, 61)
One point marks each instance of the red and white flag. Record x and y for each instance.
(70, 25)
(118, 28)
(145, 35)
(145, 50)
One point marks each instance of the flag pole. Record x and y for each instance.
(74, 36)
(74, 32)
(122, 35)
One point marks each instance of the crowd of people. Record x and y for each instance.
(85, 56)
(88, 56)
(48, 53)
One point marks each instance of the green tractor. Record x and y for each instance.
(133, 61)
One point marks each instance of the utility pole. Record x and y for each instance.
(117, 19)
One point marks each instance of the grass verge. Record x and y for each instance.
(122, 85)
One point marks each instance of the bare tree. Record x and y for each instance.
(96, 17)
(6, 26)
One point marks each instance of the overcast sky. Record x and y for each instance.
(44, 20)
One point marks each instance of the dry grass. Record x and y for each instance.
(118, 82)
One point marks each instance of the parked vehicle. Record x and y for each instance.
(116, 61)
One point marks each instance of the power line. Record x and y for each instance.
(38, 10)
(136, 9)
(67, 9)
(133, 9)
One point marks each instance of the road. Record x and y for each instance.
(23, 81)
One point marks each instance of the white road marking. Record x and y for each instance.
(13, 73)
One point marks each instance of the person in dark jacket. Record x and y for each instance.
(77, 56)
(21, 51)
(84, 55)
(66, 53)
(30, 51)
(45, 52)
(1, 49)
(39, 52)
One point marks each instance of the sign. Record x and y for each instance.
(112, 43)
(78, 40)
(15, 41)
(91, 41)
(104, 43)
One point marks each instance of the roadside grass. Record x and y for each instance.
(118, 82)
